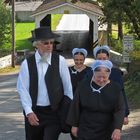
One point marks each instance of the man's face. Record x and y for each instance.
(45, 46)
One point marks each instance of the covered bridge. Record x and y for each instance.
(43, 14)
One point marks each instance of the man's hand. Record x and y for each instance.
(74, 131)
(116, 135)
(125, 121)
(32, 118)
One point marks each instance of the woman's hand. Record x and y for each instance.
(116, 135)
(33, 120)
(74, 131)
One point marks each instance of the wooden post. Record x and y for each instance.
(128, 67)
(13, 34)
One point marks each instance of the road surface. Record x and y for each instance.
(11, 118)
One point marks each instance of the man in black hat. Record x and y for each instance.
(43, 84)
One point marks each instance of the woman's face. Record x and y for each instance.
(102, 56)
(79, 60)
(45, 46)
(101, 77)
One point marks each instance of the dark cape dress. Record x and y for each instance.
(96, 114)
(77, 77)
(116, 76)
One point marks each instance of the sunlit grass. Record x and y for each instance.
(9, 69)
(23, 30)
(55, 20)
(23, 33)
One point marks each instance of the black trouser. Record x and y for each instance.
(49, 125)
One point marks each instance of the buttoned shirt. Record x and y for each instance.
(42, 98)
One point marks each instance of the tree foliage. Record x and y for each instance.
(132, 10)
(118, 11)
(127, 11)
(5, 27)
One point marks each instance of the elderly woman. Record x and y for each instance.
(97, 110)
(103, 53)
(79, 69)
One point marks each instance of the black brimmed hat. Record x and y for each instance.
(43, 33)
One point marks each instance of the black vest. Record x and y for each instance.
(52, 80)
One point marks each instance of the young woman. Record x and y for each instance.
(79, 70)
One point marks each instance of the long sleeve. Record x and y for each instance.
(23, 88)
(116, 75)
(119, 112)
(74, 111)
(65, 76)
(126, 103)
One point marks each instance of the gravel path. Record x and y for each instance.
(132, 130)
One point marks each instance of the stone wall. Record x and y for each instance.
(5, 61)
(22, 54)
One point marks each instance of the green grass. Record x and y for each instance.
(137, 45)
(55, 20)
(23, 32)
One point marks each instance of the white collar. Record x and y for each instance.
(99, 89)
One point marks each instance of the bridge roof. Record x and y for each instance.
(53, 4)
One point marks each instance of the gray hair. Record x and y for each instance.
(36, 43)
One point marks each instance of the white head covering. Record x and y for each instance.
(102, 63)
(79, 50)
(97, 48)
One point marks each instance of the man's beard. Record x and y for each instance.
(45, 57)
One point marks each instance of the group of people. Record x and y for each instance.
(89, 102)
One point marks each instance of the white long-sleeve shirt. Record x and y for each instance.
(42, 99)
